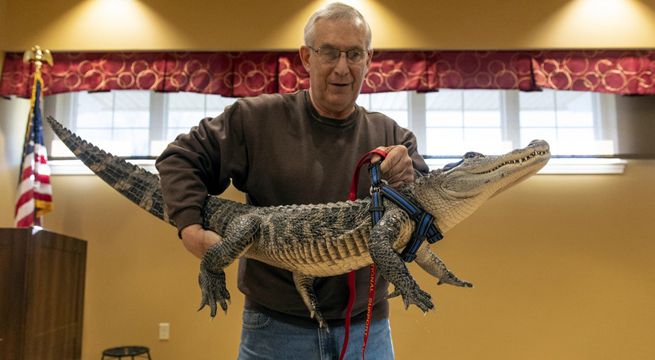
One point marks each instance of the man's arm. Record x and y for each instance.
(192, 167)
(198, 240)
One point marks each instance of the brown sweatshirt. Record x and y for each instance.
(278, 150)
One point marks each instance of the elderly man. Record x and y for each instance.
(296, 148)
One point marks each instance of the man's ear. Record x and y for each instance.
(305, 54)
(369, 59)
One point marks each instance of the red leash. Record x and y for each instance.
(352, 196)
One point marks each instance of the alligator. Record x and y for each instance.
(326, 239)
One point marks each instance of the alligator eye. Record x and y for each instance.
(472, 154)
(452, 165)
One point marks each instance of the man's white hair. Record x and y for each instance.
(336, 11)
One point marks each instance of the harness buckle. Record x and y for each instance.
(377, 188)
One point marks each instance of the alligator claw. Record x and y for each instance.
(393, 294)
(214, 290)
(456, 282)
(451, 279)
(417, 297)
(316, 315)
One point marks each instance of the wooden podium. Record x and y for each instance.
(41, 295)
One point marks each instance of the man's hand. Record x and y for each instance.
(197, 240)
(397, 167)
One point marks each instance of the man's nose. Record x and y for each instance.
(341, 67)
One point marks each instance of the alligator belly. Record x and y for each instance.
(315, 257)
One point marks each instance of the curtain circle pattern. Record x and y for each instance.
(237, 74)
(610, 71)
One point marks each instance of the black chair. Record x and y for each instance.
(125, 351)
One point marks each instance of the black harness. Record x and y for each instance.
(425, 226)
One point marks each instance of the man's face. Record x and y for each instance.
(335, 85)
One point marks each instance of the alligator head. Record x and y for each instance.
(454, 192)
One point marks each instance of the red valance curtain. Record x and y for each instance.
(619, 72)
(238, 74)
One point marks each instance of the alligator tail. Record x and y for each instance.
(138, 185)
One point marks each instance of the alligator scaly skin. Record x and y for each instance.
(325, 239)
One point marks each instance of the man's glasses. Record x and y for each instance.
(330, 55)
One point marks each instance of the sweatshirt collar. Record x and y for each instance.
(326, 120)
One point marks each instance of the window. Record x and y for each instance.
(185, 110)
(567, 119)
(130, 123)
(118, 119)
(458, 121)
(447, 123)
(395, 105)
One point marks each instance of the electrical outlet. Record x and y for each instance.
(164, 331)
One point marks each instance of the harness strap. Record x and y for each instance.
(376, 210)
(425, 227)
(377, 203)
(352, 195)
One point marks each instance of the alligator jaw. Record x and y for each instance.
(479, 174)
(455, 192)
(536, 151)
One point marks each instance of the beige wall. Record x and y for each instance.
(3, 39)
(3, 24)
(2, 60)
(637, 132)
(262, 24)
(562, 264)
(13, 117)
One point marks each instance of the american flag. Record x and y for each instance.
(34, 191)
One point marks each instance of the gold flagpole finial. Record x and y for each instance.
(38, 56)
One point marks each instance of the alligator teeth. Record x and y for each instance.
(517, 161)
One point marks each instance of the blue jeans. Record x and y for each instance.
(264, 338)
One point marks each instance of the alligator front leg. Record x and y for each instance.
(305, 286)
(389, 263)
(238, 236)
(433, 265)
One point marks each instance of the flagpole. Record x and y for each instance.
(37, 56)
